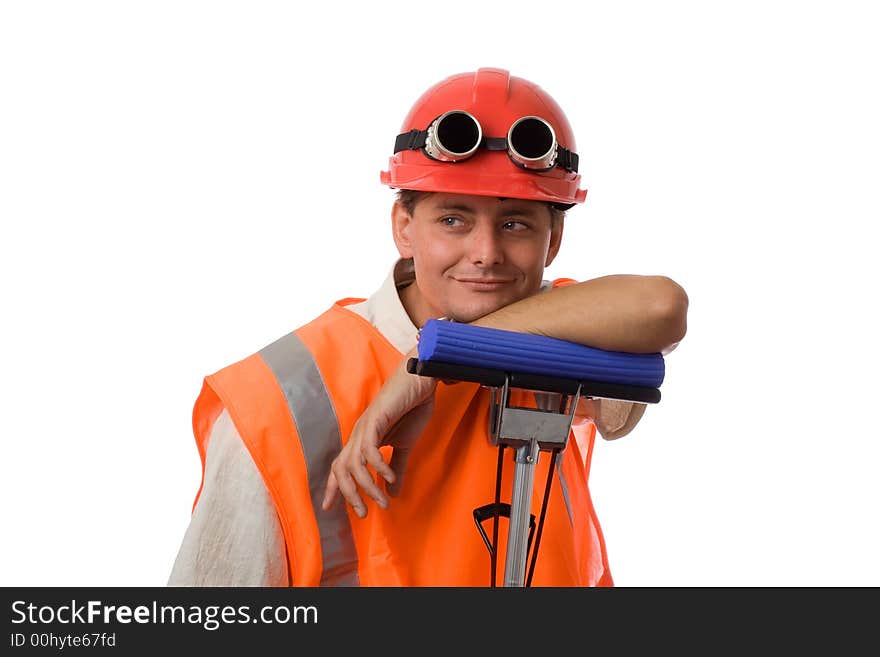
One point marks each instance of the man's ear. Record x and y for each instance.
(401, 224)
(556, 229)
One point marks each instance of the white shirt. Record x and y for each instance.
(234, 537)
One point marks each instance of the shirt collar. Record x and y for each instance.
(385, 310)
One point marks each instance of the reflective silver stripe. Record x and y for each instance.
(315, 418)
(564, 485)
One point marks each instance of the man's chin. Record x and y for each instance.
(472, 312)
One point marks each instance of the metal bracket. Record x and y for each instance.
(517, 426)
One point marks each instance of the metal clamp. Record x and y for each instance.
(517, 426)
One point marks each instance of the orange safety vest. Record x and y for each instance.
(295, 403)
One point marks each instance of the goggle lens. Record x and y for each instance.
(532, 143)
(457, 134)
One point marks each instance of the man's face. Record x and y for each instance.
(473, 254)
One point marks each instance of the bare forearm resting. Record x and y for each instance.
(621, 312)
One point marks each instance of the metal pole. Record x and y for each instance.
(520, 511)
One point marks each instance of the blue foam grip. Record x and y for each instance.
(479, 346)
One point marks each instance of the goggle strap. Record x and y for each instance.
(567, 159)
(495, 143)
(413, 140)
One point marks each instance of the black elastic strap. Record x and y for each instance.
(494, 558)
(413, 140)
(495, 143)
(543, 513)
(567, 159)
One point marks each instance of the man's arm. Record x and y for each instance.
(621, 312)
(635, 314)
(234, 537)
(614, 418)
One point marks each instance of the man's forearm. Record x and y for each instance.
(622, 312)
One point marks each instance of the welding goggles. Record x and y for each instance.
(457, 135)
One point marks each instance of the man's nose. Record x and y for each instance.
(485, 246)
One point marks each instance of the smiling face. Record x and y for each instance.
(473, 254)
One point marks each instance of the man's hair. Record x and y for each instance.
(408, 198)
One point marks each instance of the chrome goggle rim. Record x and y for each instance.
(545, 158)
(440, 146)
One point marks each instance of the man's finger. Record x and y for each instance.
(349, 490)
(330, 491)
(374, 457)
(399, 459)
(364, 478)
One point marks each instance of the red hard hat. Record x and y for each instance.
(496, 100)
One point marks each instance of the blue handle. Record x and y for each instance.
(479, 346)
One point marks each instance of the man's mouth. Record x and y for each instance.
(483, 284)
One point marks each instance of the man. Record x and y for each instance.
(486, 166)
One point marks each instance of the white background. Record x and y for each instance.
(183, 182)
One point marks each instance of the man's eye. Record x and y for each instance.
(515, 225)
(449, 221)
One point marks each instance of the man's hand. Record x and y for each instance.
(397, 416)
